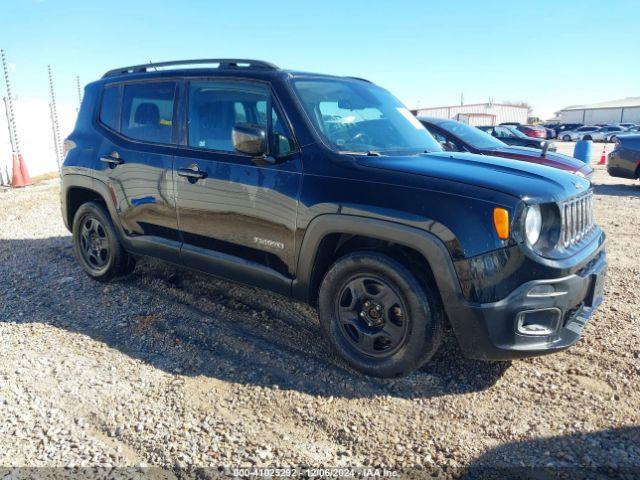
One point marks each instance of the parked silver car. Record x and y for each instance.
(604, 134)
(573, 135)
(611, 137)
(593, 132)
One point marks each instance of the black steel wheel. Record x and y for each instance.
(96, 244)
(372, 316)
(378, 316)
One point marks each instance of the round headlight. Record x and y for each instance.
(533, 224)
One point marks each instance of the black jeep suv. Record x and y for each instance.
(327, 189)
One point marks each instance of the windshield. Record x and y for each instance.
(516, 132)
(473, 136)
(358, 117)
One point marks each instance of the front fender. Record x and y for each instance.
(427, 244)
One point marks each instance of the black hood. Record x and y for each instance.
(527, 181)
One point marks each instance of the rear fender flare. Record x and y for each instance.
(71, 181)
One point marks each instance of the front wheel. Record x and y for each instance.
(566, 138)
(96, 244)
(378, 317)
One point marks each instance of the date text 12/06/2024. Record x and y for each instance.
(343, 472)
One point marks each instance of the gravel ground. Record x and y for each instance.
(174, 370)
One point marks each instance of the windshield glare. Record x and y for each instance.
(358, 117)
(473, 136)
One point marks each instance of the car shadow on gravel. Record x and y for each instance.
(617, 190)
(600, 455)
(194, 325)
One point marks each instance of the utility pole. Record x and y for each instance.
(57, 145)
(56, 149)
(11, 121)
(79, 92)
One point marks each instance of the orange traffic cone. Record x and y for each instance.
(20, 174)
(603, 157)
(23, 169)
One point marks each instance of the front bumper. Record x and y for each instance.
(538, 317)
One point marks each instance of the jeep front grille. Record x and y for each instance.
(577, 219)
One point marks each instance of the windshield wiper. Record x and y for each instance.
(370, 153)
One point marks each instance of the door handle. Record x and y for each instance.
(192, 173)
(112, 160)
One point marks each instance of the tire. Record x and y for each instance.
(587, 137)
(96, 244)
(566, 138)
(404, 333)
(612, 138)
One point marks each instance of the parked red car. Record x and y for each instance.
(457, 137)
(529, 130)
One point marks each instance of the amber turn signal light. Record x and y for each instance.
(501, 222)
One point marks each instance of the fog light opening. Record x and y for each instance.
(544, 290)
(538, 322)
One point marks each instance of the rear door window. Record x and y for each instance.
(147, 111)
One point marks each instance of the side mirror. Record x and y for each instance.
(545, 147)
(250, 139)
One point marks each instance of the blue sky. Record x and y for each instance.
(549, 53)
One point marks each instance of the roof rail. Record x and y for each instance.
(221, 63)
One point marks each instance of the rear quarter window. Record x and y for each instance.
(110, 107)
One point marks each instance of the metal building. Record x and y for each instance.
(625, 110)
(478, 113)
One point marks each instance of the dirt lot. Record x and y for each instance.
(170, 369)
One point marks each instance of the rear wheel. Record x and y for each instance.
(96, 244)
(379, 318)
(586, 137)
(566, 138)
